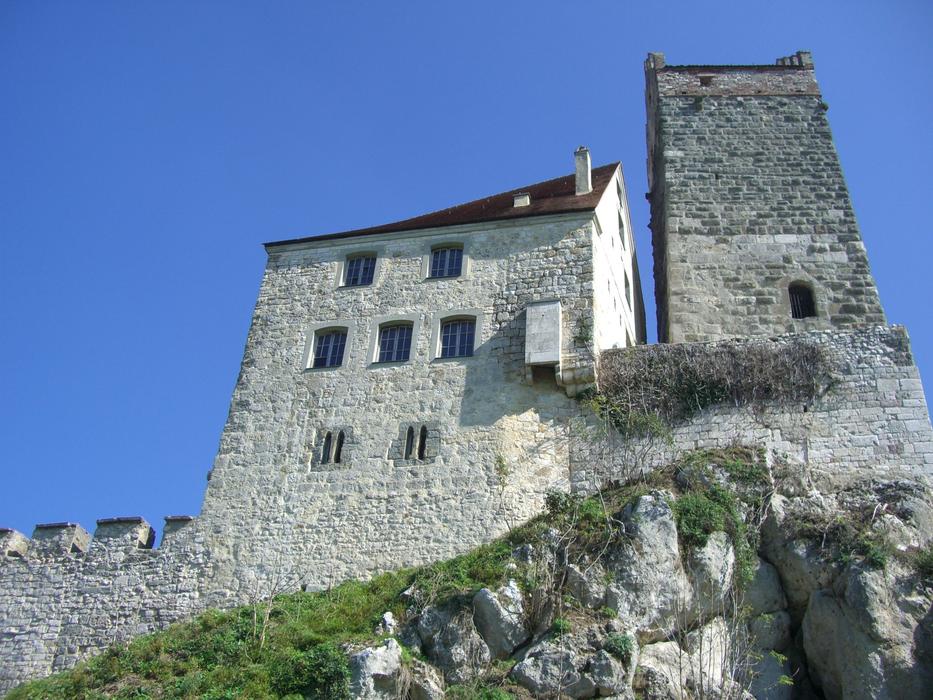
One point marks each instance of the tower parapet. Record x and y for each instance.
(752, 225)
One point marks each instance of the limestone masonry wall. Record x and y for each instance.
(747, 196)
(873, 419)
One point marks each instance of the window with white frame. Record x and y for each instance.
(329, 345)
(447, 261)
(359, 270)
(394, 342)
(457, 336)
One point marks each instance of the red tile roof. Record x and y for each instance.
(555, 196)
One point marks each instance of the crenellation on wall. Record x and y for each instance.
(131, 532)
(60, 538)
(13, 543)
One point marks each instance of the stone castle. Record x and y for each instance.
(407, 390)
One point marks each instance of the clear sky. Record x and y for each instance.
(148, 148)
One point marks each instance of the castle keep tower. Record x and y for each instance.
(752, 225)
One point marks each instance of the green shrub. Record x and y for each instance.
(619, 645)
(476, 691)
(560, 626)
(923, 562)
(321, 672)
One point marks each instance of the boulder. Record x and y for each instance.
(650, 590)
(425, 683)
(500, 619)
(871, 636)
(661, 672)
(766, 679)
(374, 672)
(770, 631)
(711, 570)
(453, 644)
(587, 584)
(550, 671)
(803, 566)
(711, 652)
(608, 673)
(764, 594)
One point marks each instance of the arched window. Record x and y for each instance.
(446, 261)
(328, 347)
(359, 270)
(325, 451)
(409, 442)
(457, 337)
(802, 304)
(422, 441)
(395, 343)
(338, 449)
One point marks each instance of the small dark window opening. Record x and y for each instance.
(706, 80)
(325, 451)
(338, 449)
(802, 304)
(409, 442)
(422, 441)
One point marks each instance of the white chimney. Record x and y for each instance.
(584, 180)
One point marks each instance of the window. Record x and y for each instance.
(422, 441)
(325, 451)
(360, 271)
(409, 442)
(457, 337)
(338, 449)
(801, 301)
(394, 343)
(328, 348)
(446, 262)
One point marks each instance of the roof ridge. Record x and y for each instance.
(551, 199)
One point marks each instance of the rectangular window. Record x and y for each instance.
(457, 338)
(328, 348)
(394, 343)
(360, 271)
(446, 262)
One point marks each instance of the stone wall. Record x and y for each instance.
(747, 196)
(872, 420)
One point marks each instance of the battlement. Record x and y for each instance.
(65, 539)
(789, 75)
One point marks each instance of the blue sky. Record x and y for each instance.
(148, 148)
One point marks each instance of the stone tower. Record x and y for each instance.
(752, 225)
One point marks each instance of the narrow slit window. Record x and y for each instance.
(409, 442)
(422, 441)
(360, 271)
(395, 343)
(457, 337)
(338, 448)
(325, 450)
(329, 347)
(446, 262)
(802, 304)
